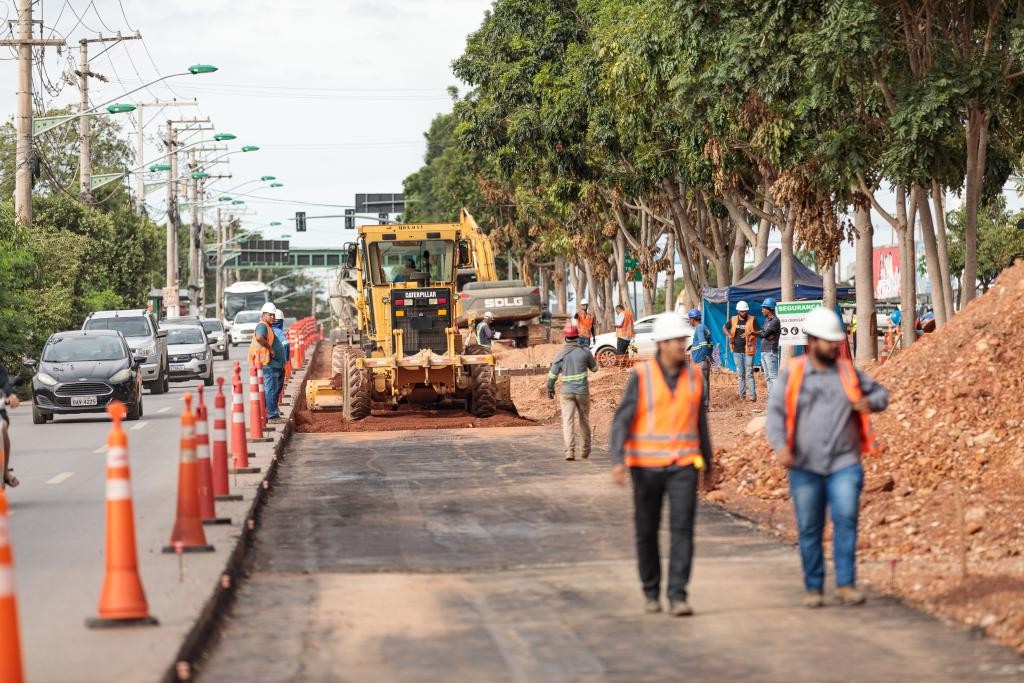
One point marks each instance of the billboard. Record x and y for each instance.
(886, 272)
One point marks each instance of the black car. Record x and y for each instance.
(82, 371)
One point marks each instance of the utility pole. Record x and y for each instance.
(23, 157)
(84, 122)
(140, 146)
(173, 220)
(218, 274)
(193, 239)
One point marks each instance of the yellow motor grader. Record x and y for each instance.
(409, 349)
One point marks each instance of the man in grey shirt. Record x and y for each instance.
(770, 335)
(819, 428)
(573, 362)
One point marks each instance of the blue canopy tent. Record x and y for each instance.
(719, 303)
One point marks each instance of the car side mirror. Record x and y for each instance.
(161, 334)
(30, 363)
(139, 359)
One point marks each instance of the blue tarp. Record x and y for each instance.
(719, 303)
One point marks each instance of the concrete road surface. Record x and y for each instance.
(479, 555)
(58, 517)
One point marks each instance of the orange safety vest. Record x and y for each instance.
(750, 339)
(625, 330)
(257, 352)
(665, 429)
(851, 385)
(585, 322)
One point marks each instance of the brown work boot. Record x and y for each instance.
(814, 599)
(849, 595)
(585, 455)
(679, 608)
(652, 606)
(570, 456)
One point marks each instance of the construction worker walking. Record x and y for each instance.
(742, 331)
(587, 324)
(818, 425)
(624, 331)
(573, 362)
(700, 352)
(770, 336)
(660, 433)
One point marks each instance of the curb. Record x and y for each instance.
(195, 645)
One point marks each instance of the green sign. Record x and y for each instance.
(101, 179)
(792, 315)
(633, 268)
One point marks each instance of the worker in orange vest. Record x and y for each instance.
(586, 323)
(819, 427)
(624, 332)
(267, 350)
(742, 332)
(660, 432)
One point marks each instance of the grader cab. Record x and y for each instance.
(409, 349)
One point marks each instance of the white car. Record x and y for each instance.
(242, 328)
(605, 344)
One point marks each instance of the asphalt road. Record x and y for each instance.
(480, 555)
(58, 517)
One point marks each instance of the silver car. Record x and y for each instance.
(139, 328)
(189, 353)
(217, 336)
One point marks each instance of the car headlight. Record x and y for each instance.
(45, 379)
(146, 350)
(121, 376)
(199, 356)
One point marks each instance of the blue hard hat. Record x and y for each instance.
(768, 303)
(694, 314)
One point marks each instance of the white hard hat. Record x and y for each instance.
(824, 324)
(671, 326)
(488, 314)
(269, 308)
(278, 314)
(584, 302)
(742, 307)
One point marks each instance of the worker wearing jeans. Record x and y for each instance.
(770, 343)
(742, 331)
(573, 363)
(821, 450)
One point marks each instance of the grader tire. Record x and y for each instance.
(357, 387)
(338, 359)
(485, 391)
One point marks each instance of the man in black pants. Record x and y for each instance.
(660, 432)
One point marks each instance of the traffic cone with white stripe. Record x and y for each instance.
(188, 534)
(239, 445)
(255, 405)
(10, 642)
(264, 416)
(207, 509)
(220, 446)
(122, 600)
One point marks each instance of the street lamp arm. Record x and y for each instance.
(132, 92)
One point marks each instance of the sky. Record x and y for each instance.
(336, 93)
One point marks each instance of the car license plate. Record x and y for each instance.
(83, 401)
(178, 366)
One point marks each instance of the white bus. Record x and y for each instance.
(244, 296)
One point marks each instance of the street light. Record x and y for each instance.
(238, 201)
(222, 137)
(277, 184)
(250, 148)
(199, 175)
(120, 108)
(224, 198)
(274, 224)
(266, 178)
(201, 69)
(156, 168)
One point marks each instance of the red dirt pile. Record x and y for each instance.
(954, 429)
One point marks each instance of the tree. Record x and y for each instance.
(1000, 240)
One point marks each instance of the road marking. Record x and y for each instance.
(61, 478)
(139, 425)
(164, 409)
(101, 449)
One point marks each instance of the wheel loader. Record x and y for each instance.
(408, 349)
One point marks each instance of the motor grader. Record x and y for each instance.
(409, 350)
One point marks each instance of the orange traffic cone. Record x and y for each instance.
(220, 446)
(207, 509)
(188, 534)
(122, 600)
(264, 413)
(255, 405)
(239, 446)
(10, 641)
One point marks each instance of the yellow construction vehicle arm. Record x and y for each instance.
(483, 255)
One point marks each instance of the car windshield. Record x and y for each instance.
(397, 261)
(212, 326)
(130, 327)
(235, 302)
(81, 349)
(185, 335)
(247, 317)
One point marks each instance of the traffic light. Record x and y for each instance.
(300, 221)
(350, 219)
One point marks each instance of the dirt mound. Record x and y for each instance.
(953, 430)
